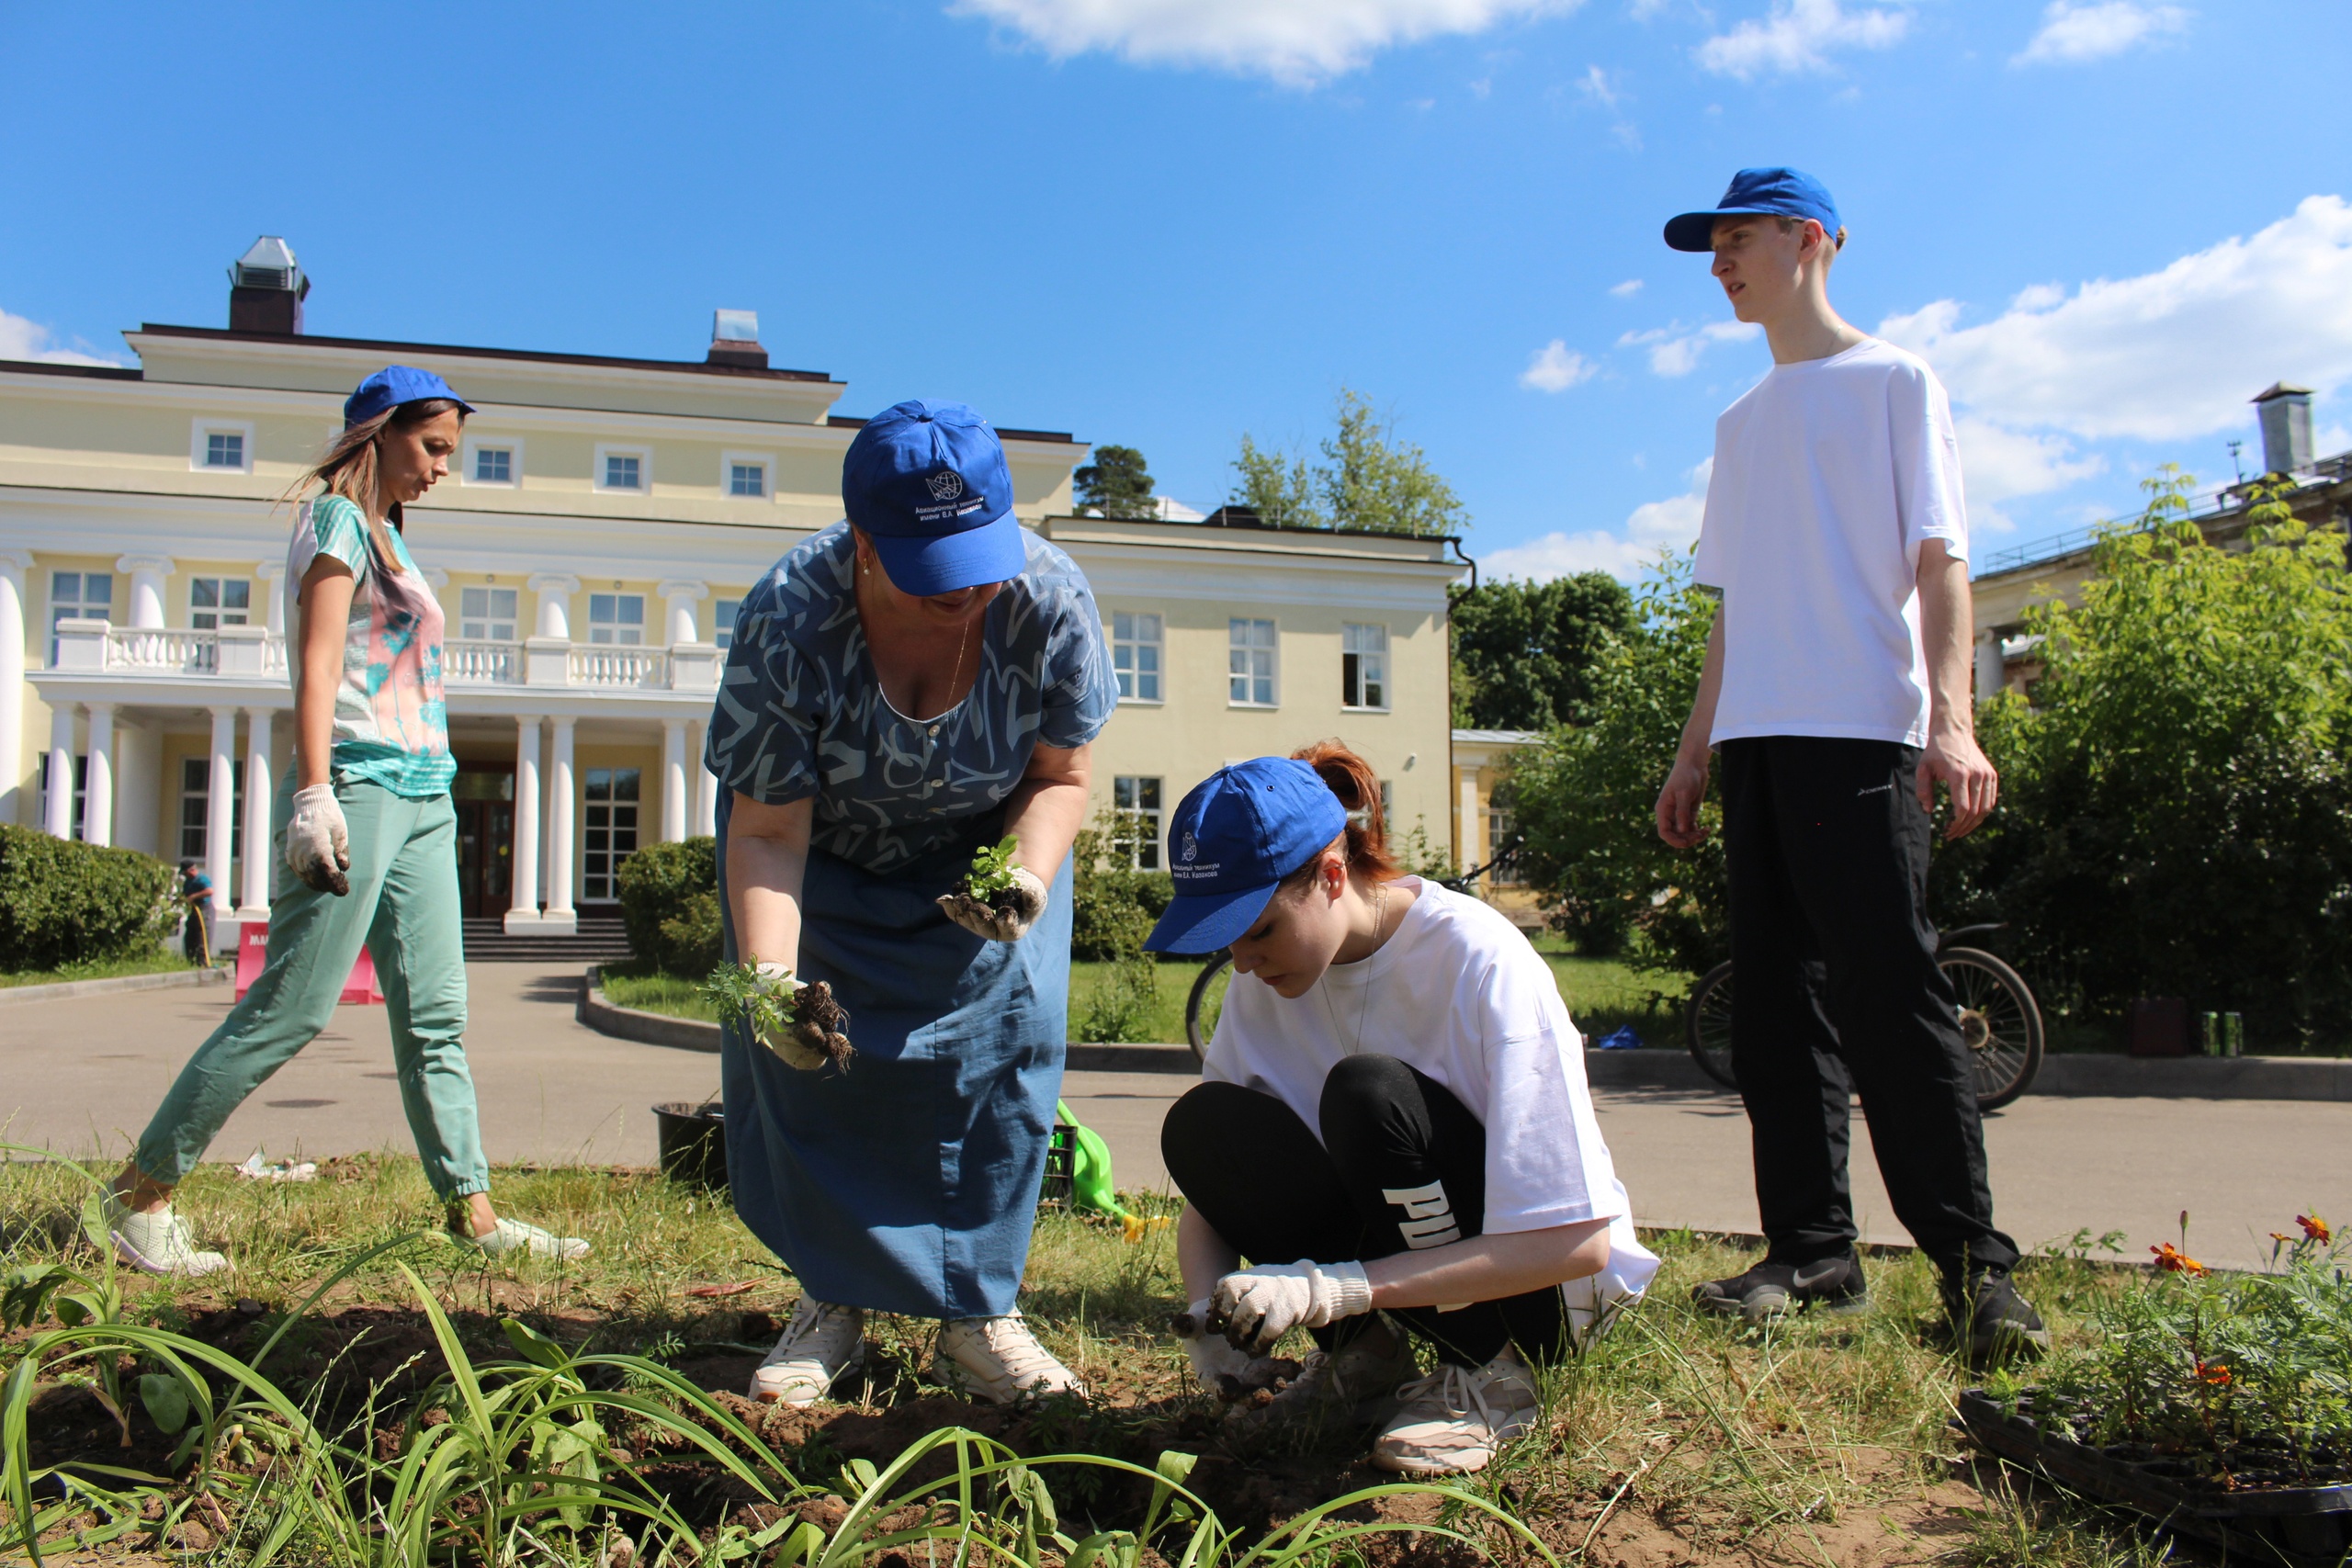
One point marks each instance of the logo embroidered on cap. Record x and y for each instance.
(946, 485)
(1191, 849)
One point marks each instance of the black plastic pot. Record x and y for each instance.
(693, 1143)
(2300, 1526)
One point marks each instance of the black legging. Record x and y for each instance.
(1401, 1164)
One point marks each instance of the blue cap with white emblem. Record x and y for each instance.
(1233, 839)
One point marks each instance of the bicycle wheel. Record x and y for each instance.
(1201, 1009)
(1999, 1023)
(1706, 1019)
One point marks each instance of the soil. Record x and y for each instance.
(820, 1021)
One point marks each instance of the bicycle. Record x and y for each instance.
(1207, 995)
(1999, 1021)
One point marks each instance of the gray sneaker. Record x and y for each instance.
(1770, 1290)
(160, 1243)
(1355, 1383)
(820, 1343)
(1457, 1418)
(515, 1237)
(997, 1360)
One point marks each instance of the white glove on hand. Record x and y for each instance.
(1258, 1306)
(1010, 921)
(790, 1044)
(1224, 1370)
(318, 844)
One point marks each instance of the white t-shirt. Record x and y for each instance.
(1828, 476)
(1458, 993)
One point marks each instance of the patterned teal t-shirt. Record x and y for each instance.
(392, 725)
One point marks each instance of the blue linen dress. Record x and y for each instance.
(907, 1183)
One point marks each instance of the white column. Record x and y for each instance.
(259, 853)
(525, 909)
(674, 779)
(706, 784)
(679, 599)
(14, 564)
(555, 589)
(1473, 833)
(98, 796)
(271, 575)
(1990, 673)
(221, 811)
(57, 812)
(147, 574)
(560, 848)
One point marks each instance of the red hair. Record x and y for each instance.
(1365, 844)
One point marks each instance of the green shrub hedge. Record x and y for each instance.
(62, 902)
(670, 905)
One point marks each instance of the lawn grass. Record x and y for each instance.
(1678, 1437)
(157, 963)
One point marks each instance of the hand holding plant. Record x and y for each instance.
(802, 1024)
(999, 899)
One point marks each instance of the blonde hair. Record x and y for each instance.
(348, 467)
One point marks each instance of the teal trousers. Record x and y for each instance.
(403, 908)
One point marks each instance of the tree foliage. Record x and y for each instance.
(1116, 484)
(1367, 480)
(1527, 655)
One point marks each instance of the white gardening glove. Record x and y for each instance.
(802, 1044)
(1022, 904)
(1224, 1370)
(318, 845)
(1257, 1306)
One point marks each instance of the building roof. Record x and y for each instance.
(694, 366)
(1498, 737)
(97, 372)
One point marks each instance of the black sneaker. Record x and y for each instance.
(2001, 1324)
(1771, 1288)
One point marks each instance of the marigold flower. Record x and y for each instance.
(2314, 1228)
(2214, 1373)
(2172, 1260)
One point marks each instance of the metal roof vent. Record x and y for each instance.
(266, 287)
(2286, 415)
(735, 340)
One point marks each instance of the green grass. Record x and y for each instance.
(158, 963)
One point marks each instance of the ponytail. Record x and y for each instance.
(1365, 844)
(348, 467)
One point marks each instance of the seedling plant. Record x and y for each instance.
(765, 1010)
(990, 880)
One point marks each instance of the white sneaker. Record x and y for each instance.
(1454, 1419)
(820, 1343)
(153, 1244)
(997, 1360)
(513, 1236)
(1354, 1382)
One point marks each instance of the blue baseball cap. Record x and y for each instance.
(1232, 840)
(927, 483)
(391, 386)
(1780, 193)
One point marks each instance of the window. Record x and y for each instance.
(746, 478)
(196, 800)
(1251, 663)
(1134, 655)
(747, 475)
(80, 792)
(611, 831)
(224, 449)
(78, 596)
(621, 473)
(626, 469)
(1363, 667)
(1135, 802)
(722, 622)
(486, 614)
(217, 601)
(493, 466)
(1501, 828)
(220, 447)
(617, 618)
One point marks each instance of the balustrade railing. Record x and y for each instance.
(599, 664)
(163, 648)
(475, 663)
(179, 650)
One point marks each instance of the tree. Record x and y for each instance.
(1116, 484)
(1368, 481)
(1526, 654)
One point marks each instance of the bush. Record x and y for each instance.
(670, 904)
(1112, 907)
(63, 903)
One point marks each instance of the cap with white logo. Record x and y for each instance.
(928, 484)
(1238, 833)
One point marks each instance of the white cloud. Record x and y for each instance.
(1626, 289)
(1297, 43)
(2165, 356)
(1798, 35)
(1594, 84)
(21, 339)
(1998, 464)
(2075, 30)
(1555, 368)
(1653, 526)
(1674, 352)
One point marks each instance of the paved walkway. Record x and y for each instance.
(80, 1075)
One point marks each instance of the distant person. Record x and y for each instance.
(196, 896)
(1835, 690)
(366, 839)
(1392, 1126)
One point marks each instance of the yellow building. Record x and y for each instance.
(602, 522)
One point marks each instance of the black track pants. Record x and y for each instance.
(1401, 1164)
(1837, 993)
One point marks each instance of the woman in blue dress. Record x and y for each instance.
(907, 687)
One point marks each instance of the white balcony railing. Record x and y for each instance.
(164, 649)
(247, 653)
(471, 663)
(598, 664)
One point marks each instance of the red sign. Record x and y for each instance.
(253, 951)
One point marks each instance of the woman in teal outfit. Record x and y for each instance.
(903, 689)
(366, 840)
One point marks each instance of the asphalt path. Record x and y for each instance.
(82, 1076)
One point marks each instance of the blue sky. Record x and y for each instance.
(1165, 222)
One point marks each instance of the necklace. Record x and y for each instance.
(1363, 1007)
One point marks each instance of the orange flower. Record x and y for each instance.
(2314, 1228)
(2172, 1260)
(2214, 1373)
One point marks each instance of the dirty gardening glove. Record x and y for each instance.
(318, 845)
(1257, 1306)
(814, 1036)
(1005, 917)
(1221, 1370)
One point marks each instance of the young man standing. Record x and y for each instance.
(1835, 690)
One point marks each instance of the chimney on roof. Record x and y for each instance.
(2286, 414)
(266, 289)
(735, 340)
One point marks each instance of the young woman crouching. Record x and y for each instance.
(1395, 1097)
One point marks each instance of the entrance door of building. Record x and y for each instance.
(485, 801)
